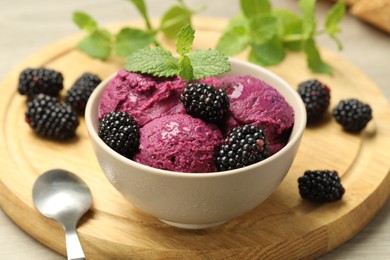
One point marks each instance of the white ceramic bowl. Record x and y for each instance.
(191, 200)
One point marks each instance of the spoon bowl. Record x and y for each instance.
(64, 197)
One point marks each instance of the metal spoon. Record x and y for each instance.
(64, 197)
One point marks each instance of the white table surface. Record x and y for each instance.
(28, 26)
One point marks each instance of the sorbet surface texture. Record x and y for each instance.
(144, 97)
(173, 140)
(179, 143)
(253, 101)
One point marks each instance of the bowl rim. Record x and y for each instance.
(300, 124)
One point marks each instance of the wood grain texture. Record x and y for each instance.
(283, 226)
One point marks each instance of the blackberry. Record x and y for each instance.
(316, 97)
(77, 96)
(242, 147)
(204, 101)
(320, 186)
(33, 81)
(49, 118)
(120, 132)
(352, 114)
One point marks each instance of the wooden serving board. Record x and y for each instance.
(283, 227)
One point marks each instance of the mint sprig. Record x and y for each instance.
(142, 9)
(176, 17)
(153, 61)
(269, 33)
(333, 19)
(100, 43)
(189, 65)
(209, 62)
(184, 41)
(128, 40)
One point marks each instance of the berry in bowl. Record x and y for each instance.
(201, 153)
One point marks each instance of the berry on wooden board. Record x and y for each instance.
(49, 118)
(78, 95)
(352, 114)
(316, 97)
(33, 81)
(321, 186)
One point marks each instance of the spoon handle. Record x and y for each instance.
(73, 246)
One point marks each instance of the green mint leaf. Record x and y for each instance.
(333, 18)
(238, 20)
(140, 4)
(235, 37)
(141, 7)
(233, 41)
(184, 40)
(252, 8)
(314, 60)
(293, 46)
(84, 21)
(97, 44)
(307, 8)
(263, 28)
(267, 54)
(190, 64)
(185, 68)
(129, 40)
(207, 63)
(175, 19)
(153, 61)
(291, 23)
(290, 29)
(308, 12)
